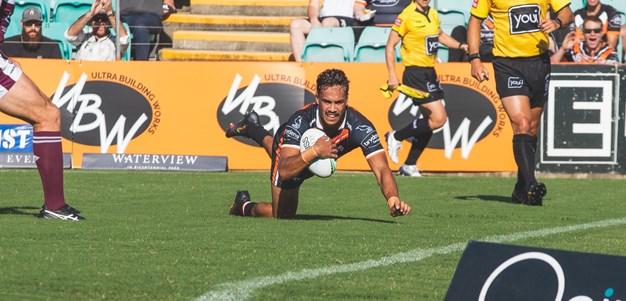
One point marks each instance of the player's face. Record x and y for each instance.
(32, 29)
(333, 103)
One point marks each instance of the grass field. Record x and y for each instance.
(168, 235)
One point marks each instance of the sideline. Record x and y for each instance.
(240, 290)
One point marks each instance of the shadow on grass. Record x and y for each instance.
(19, 210)
(490, 198)
(334, 217)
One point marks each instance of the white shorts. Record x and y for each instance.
(9, 74)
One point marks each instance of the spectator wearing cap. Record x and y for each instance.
(31, 43)
(99, 43)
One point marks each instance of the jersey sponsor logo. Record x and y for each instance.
(398, 22)
(432, 44)
(371, 140)
(515, 82)
(475, 4)
(292, 134)
(524, 18)
(433, 87)
(275, 100)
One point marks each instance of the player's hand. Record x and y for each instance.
(325, 148)
(478, 71)
(398, 207)
(393, 83)
(548, 25)
(464, 47)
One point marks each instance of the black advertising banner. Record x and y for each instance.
(497, 272)
(583, 125)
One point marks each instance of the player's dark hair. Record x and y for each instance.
(332, 77)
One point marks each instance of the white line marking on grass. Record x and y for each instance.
(240, 290)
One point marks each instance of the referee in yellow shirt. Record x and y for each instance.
(522, 72)
(418, 28)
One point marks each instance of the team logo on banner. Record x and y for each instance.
(472, 115)
(275, 100)
(106, 112)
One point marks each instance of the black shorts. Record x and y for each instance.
(424, 79)
(343, 21)
(292, 183)
(523, 76)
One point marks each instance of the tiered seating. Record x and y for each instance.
(56, 31)
(371, 44)
(329, 44)
(70, 10)
(255, 30)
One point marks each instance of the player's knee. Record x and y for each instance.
(436, 122)
(52, 115)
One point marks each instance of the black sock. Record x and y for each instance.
(414, 129)
(258, 133)
(417, 148)
(247, 208)
(525, 160)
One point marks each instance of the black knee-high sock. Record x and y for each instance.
(413, 129)
(258, 133)
(417, 148)
(525, 159)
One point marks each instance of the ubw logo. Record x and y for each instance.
(453, 133)
(247, 101)
(85, 116)
(524, 18)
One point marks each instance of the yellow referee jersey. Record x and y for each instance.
(420, 36)
(517, 32)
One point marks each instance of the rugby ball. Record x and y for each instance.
(320, 167)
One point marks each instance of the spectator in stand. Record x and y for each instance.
(31, 43)
(144, 17)
(459, 33)
(334, 13)
(593, 49)
(611, 21)
(99, 44)
(384, 12)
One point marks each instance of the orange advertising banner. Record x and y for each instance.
(182, 108)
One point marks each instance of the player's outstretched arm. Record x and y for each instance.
(380, 168)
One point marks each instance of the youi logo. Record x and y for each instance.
(432, 44)
(524, 18)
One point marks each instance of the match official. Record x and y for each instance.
(418, 27)
(522, 72)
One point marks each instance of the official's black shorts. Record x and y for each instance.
(424, 79)
(523, 76)
(274, 175)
